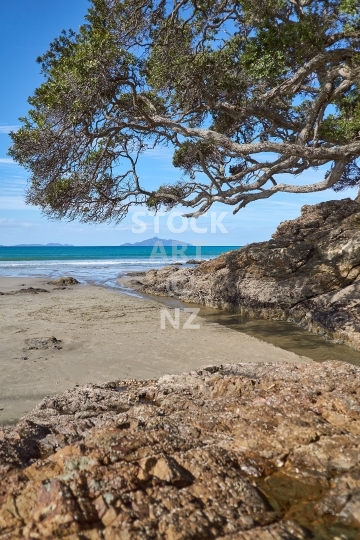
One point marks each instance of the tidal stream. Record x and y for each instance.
(286, 335)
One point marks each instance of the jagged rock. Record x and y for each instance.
(308, 273)
(239, 451)
(64, 281)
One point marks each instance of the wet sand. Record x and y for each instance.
(102, 335)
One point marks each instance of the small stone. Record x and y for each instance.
(167, 469)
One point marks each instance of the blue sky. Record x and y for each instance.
(26, 29)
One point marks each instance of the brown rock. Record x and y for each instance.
(254, 451)
(167, 469)
(64, 281)
(309, 273)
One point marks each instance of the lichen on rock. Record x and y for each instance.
(238, 451)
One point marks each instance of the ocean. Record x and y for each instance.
(96, 264)
(103, 265)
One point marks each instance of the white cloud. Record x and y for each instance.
(7, 161)
(13, 203)
(12, 223)
(6, 129)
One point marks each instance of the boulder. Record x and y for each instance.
(308, 273)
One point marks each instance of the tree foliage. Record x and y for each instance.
(243, 91)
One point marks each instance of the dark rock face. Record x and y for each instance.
(239, 451)
(308, 273)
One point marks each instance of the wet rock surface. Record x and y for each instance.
(69, 280)
(308, 273)
(239, 451)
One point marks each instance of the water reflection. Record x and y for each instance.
(285, 335)
(282, 334)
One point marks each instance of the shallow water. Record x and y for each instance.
(285, 335)
(103, 265)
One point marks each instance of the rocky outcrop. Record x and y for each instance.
(239, 451)
(307, 273)
(69, 280)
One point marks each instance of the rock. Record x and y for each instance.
(167, 469)
(134, 283)
(193, 261)
(28, 290)
(308, 273)
(32, 290)
(64, 281)
(238, 451)
(43, 343)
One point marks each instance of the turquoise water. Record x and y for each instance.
(75, 253)
(96, 264)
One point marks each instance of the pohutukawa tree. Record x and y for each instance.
(248, 95)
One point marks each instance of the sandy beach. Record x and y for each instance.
(101, 335)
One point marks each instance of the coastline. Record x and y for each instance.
(281, 333)
(104, 335)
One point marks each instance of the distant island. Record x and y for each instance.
(160, 241)
(44, 245)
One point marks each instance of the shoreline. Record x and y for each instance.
(283, 334)
(102, 336)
